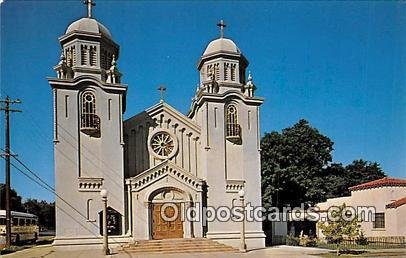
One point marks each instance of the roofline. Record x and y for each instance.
(222, 53)
(379, 183)
(171, 110)
(396, 204)
(132, 181)
(62, 39)
(215, 97)
(18, 213)
(75, 82)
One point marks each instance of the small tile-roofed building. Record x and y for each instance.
(386, 197)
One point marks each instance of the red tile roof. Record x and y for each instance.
(386, 181)
(396, 203)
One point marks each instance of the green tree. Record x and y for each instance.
(291, 165)
(340, 225)
(44, 210)
(361, 171)
(338, 178)
(15, 199)
(335, 180)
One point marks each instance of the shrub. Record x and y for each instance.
(361, 239)
(292, 240)
(307, 241)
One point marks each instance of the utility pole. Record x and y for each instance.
(6, 108)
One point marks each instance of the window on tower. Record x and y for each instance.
(216, 72)
(226, 72)
(84, 55)
(90, 122)
(233, 129)
(233, 68)
(210, 72)
(93, 56)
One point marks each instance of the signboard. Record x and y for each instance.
(113, 222)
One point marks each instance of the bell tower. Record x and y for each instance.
(88, 49)
(227, 111)
(222, 66)
(89, 101)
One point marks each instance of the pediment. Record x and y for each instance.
(163, 113)
(161, 171)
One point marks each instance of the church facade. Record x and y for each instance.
(160, 162)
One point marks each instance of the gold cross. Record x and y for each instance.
(89, 4)
(162, 90)
(222, 25)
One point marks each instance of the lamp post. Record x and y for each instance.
(103, 194)
(243, 246)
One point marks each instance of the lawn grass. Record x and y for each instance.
(361, 247)
(365, 254)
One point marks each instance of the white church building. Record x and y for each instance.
(157, 157)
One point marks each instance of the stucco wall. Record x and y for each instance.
(79, 156)
(377, 198)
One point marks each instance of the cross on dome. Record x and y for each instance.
(90, 5)
(222, 25)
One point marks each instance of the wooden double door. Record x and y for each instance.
(163, 229)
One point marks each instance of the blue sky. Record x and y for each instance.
(340, 65)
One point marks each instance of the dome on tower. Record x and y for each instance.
(88, 25)
(221, 45)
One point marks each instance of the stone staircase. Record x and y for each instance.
(177, 245)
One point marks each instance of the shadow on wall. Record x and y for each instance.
(136, 155)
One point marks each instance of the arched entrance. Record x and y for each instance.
(166, 208)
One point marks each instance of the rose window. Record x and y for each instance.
(163, 144)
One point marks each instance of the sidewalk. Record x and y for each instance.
(47, 251)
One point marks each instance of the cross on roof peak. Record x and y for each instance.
(222, 25)
(162, 89)
(90, 4)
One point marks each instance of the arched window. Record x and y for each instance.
(233, 128)
(226, 72)
(89, 103)
(213, 72)
(93, 56)
(73, 55)
(210, 72)
(103, 59)
(90, 122)
(233, 68)
(84, 55)
(216, 72)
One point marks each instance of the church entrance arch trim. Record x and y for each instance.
(171, 202)
(144, 189)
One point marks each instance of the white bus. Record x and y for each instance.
(24, 227)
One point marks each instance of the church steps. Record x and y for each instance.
(177, 246)
(182, 249)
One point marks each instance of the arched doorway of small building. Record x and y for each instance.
(166, 210)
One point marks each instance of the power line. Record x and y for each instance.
(32, 172)
(88, 155)
(47, 187)
(7, 110)
(53, 192)
(43, 184)
(30, 177)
